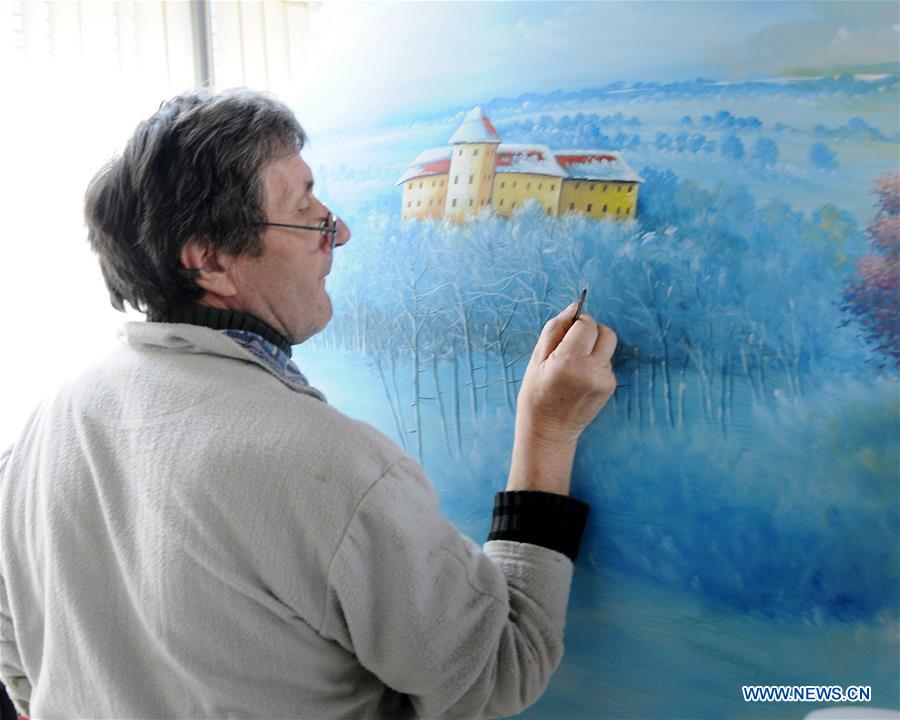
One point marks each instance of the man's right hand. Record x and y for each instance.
(568, 381)
(569, 378)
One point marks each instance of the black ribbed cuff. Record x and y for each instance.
(547, 519)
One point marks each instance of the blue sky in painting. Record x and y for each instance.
(391, 60)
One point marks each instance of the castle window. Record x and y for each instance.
(418, 202)
(540, 186)
(454, 202)
(604, 187)
(503, 185)
(618, 188)
(590, 207)
(470, 202)
(631, 188)
(571, 206)
(471, 177)
(409, 204)
(460, 152)
(409, 186)
(514, 203)
(475, 151)
(577, 185)
(455, 179)
(592, 186)
(604, 208)
(553, 187)
(528, 186)
(420, 185)
(617, 210)
(501, 202)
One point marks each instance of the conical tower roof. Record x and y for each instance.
(475, 128)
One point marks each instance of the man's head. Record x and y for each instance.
(179, 216)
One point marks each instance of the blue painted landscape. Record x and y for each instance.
(744, 479)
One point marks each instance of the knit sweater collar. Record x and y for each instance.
(219, 319)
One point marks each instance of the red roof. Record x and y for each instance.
(489, 127)
(579, 159)
(504, 159)
(435, 168)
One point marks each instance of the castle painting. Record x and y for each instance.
(744, 530)
(477, 170)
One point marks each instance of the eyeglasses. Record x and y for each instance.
(328, 227)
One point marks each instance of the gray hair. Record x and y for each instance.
(191, 170)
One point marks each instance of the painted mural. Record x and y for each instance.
(723, 177)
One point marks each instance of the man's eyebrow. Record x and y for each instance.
(296, 197)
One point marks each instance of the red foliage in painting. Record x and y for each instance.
(873, 293)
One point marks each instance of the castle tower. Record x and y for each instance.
(471, 176)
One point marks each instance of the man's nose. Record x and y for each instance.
(343, 234)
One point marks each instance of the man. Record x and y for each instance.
(189, 530)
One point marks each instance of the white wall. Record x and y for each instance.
(76, 78)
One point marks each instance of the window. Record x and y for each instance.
(454, 202)
(571, 206)
(631, 188)
(528, 186)
(540, 186)
(471, 177)
(475, 152)
(590, 207)
(604, 208)
(617, 210)
(553, 187)
(618, 188)
(460, 152)
(455, 179)
(409, 186)
(418, 202)
(577, 185)
(592, 186)
(514, 204)
(470, 202)
(604, 187)
(549, 210)
(514, 183)
(420, 185)
(503, 185)
(501, 202)
(409, 204)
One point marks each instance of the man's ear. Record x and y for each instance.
(214, 267)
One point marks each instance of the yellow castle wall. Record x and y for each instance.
(599, 198)
(424, 197)
(513, 189)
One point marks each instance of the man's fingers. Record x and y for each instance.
(580, 337)
(553, 332)
(606, 342)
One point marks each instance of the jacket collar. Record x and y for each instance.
(189, 338)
